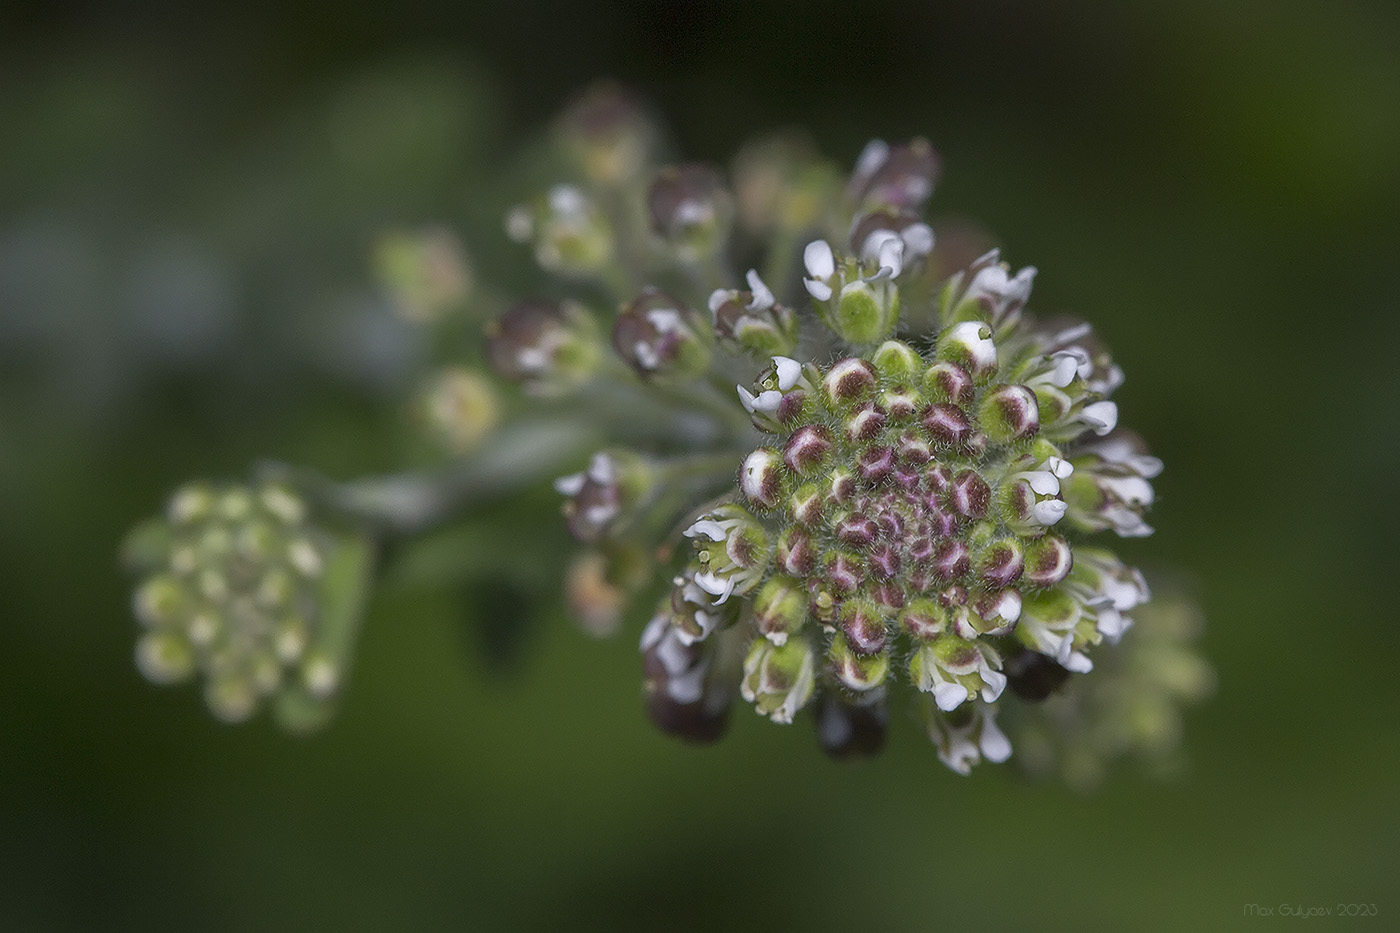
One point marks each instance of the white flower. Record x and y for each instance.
(821, 267)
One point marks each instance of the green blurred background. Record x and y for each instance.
(188, 201)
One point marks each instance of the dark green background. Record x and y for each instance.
(187, 203)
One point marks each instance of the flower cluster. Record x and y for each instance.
(234, 590)
(896, 502)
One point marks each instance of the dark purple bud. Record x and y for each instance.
(947, 425)
(875, 464)
(864, 627)
(857, 531)
(796, 555)
(865, 422)
(968, 495)
(949, 382)
(690, 207)
(807, 448)
(950, 559)
(884, 562)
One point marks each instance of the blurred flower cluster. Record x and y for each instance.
(842, 460)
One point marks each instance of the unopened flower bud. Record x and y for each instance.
(690, 209)
(1009, 413)
(549, 348)
(460, 407)
(970, 346)
(608, 133)
(425, 273)
(660, 338)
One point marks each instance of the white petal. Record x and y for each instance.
(994, 683)
(718, 297)
(871, 158)
(818, 290)
(710, 529)
(789, 371)
(569, 485)
(996, 747)
(715, 585)
(949, 696)
(891, 255)
(918, 240)
(1078, 662)
(762, 295)
(1131, 490)
(819, 260)
(1062, 469)
(1102, 416)
(746, 398)
(1043, 482)
(1049, 511)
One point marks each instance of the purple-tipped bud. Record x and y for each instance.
(761, 478)
(1001, 562)
(548, 347)
(844, 572)
(865, 423)
(690, 209)
(947, 425)
(968, 495)
(948, 382)
(848, 381)
(1010, 413)
(859, 672)
(657, 335)
(807, 505)
(807, 448)
(923, 618)
(796, 554)
(780, 609)
(1048, 560)
(864, 626)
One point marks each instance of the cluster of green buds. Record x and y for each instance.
(243, 589)
(891, 501)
